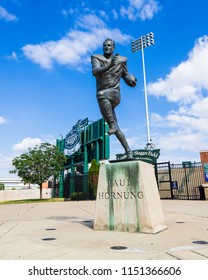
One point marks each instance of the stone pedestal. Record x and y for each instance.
(128, 198)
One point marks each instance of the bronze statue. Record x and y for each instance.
(108, 70)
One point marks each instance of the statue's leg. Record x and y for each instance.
(121, 137)
(108, 114)
(108, 99)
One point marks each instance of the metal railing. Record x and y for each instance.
(179, 181)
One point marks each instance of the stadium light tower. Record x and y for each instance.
(137, 45)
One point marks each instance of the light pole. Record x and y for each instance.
(141, 44)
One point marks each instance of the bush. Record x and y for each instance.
(93, 183)
(93, 177)
(1, 187)
(79, 196)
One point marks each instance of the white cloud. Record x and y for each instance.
(3, 120)
(186, 82)
(149, 9)
(185, 128)
(5, 15)
(74, 48)
(115, 14)
(143, 9)
(30, 142)
(183, 142)
(103, 14)
(182, 122)
(67, 13)
(26, 143)
(200, 108)
(179, 135)
(90, 22)
(13, 56)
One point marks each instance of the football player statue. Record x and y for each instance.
(108, 69)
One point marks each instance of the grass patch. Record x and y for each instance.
(32, 201)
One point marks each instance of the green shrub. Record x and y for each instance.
(2, 186)
(79, 196)
(93, 177)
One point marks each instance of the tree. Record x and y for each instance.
(39, 164)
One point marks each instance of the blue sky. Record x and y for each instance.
(46, 84)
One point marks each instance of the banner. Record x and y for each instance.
(149, 156)
(206, 172)
(72, 142)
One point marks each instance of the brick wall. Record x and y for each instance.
(204, 156)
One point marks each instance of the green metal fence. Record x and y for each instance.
(84, 186)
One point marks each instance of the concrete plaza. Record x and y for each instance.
(64, 231)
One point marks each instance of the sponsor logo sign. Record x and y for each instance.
(72, 142)
(149, 156)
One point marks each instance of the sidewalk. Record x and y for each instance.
(63, 230)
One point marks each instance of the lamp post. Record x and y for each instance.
(141, 44)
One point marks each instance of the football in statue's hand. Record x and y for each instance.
(131, 80)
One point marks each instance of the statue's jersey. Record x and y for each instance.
(111, 77)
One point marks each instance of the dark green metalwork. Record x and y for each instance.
(61, 184)
(94, 145)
